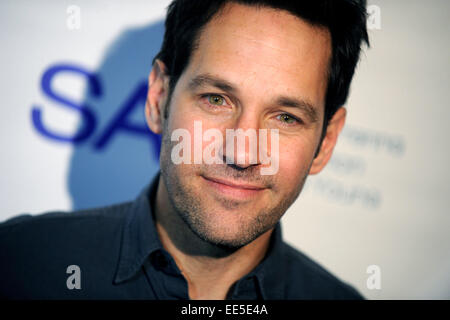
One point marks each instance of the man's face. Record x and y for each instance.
(253, 69)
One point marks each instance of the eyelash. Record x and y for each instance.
(297, 120)
(208, 95)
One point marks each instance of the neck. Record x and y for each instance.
(209, 270)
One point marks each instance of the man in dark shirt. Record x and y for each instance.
(120, 256)
(208, 226)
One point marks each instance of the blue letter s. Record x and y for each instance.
(88, 116)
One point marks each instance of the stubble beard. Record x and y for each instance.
(192, 210)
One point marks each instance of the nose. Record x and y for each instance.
(241, 141)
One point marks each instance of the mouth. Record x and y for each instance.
(234, 189)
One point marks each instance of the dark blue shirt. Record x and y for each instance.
(119, 256)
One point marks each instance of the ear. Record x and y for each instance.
(158, 90)
(334, 128)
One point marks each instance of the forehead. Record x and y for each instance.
(262, 48)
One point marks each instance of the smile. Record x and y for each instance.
(234, 189)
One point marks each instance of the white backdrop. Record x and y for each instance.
(381, 201)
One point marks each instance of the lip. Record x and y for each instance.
(234, 189)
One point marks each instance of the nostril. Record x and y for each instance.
(236, 164)
(239, 168)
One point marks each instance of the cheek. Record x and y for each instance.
(295, 160)
(180, 115)
(184, 110)
(185, 119)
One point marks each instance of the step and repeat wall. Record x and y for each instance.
(73, 134)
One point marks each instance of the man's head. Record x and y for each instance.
(280, 65)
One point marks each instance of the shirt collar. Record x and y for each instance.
(269, 273)
(139, 238)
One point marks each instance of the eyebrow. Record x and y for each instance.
(305, 106)
(209, 80)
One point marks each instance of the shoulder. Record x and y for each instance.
(59, 230)
(309, 280)
(36, 250)
(60, 221)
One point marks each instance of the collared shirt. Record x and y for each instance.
(114, 252)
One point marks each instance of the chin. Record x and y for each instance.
(229, 242)
(228, 232)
